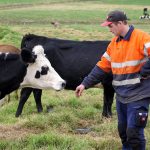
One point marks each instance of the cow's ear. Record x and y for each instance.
(27, 56)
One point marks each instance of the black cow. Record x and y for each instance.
(19, 70)
(73, 60)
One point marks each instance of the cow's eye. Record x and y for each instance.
(44, 70)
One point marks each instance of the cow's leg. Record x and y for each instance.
(108, 100)
(24, 95)
(37, 95)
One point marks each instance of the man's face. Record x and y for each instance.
(115, 28)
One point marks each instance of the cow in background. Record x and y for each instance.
(73, 60)
(145, 14)
(30, 68)
(5, 48)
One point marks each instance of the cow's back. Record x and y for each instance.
(74, 60)
(9, 49)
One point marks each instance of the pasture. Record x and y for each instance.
(55, 129)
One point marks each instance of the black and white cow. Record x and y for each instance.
(145, 14)
(73, 60)
(22, 70)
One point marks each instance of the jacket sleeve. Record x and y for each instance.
(145, 69)
(94, 77)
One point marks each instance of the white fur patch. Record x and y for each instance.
(38, 50)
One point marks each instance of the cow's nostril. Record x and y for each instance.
(63, 84)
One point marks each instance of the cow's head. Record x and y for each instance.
(40, 74)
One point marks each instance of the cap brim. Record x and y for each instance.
(106, 23)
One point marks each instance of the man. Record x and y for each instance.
(127, 57)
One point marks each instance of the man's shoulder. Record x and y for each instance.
(141, 35)
(140, 32)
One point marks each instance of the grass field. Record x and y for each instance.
(56, 130)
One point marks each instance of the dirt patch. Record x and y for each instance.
(13, 6)
(15, 132)
(84, 6)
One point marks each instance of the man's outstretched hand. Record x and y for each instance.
(79, 90)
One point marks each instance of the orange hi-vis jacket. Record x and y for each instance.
(125, 59)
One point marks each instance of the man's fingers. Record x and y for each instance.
(79, 90)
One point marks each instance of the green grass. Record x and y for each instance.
(70, 16)
(7, 36)
(129, 2)
(137, 2)
(8, 2)
(56, 130)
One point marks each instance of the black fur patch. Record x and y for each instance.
(28, 56)
(44, 70)
(37, 75)
(4, 56)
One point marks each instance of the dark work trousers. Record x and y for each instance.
(132, 119)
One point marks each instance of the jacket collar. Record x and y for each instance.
(127, 36)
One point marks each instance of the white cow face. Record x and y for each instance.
(40, 73)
